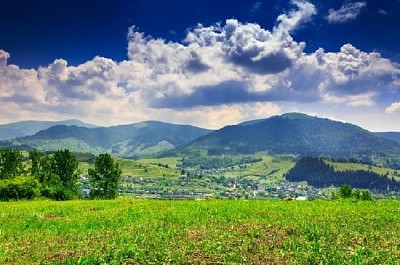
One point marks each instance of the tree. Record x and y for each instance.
(65, 166)
(10, 163)
(346, 191)
(104, 178)
(36, 163)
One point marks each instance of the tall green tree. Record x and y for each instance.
(104, 177)
(346, 191)
(10, 163)
(65, 166)
(42, 167)
(36, 157)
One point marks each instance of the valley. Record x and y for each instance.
(200, 132)
(262, 177)
(250, 160)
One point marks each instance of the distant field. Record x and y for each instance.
(133, 231)
(272, 167)
(355, 166)
(142, 168)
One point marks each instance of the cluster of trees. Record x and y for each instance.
(54, 176)
(319, 174)
(347, 192)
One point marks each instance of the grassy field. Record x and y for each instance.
(356, 166)
(272, 167)
(133, 231)
(143, 168)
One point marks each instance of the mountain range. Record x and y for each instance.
(144, 138)
(394, 136)
(298, 134)
(25, 128)
(291, 133)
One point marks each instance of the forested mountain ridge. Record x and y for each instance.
(394, 136)
(300, 134)
(138, 139)
(291, 133)
(25, 128)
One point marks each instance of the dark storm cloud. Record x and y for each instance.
(223, 93)
(270, 64)
(230, 92)
(195, 64)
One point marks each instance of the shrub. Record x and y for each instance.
(19, 188)
(366, 195)
(56, 192)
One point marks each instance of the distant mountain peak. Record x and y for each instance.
(296, 115)
(299, 134)
(31, 127)
(131, 140)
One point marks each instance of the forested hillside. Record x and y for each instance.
(25, 128)
(300, 134)
(140, 139)
(319, 174)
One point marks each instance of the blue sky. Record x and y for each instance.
(206, 63)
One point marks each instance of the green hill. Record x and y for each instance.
(394, 136)
(25, 128)
(145, 138)
(299, 134)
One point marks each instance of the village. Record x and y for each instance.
(220, 187)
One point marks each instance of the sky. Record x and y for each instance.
(207, 63)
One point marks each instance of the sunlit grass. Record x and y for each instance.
(273, 168)
(141, 168)
(356, 166)
(133, 231)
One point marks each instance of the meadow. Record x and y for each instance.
(140, 231)
(143, 168)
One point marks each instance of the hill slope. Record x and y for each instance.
(394, 136)
(296, 133)
(138, 139)
(25, 128)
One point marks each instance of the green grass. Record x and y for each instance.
(170, 161)
(356, 166)
(133, 231)
(272, 167)
(144, 168)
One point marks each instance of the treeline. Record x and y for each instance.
(319, 174)
(54, 176)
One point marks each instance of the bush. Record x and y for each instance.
(366, 195)
(56, 192)
(19, 188)
(347, 192)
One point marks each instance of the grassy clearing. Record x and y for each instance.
(132, 231)
(140, 169)
(356, 166)
(144, 168)
(272, 167)
(170, 161)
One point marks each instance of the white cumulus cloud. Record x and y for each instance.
(394, 107)
(220, 74)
